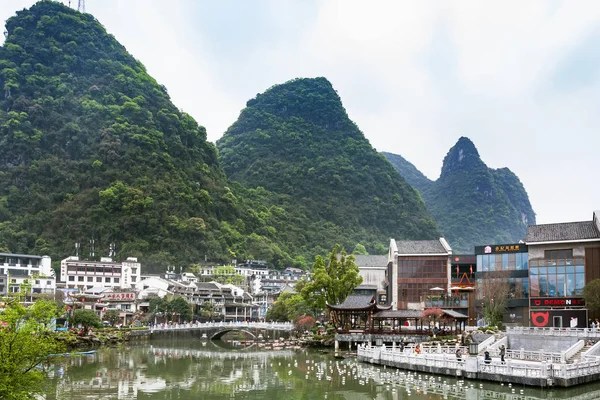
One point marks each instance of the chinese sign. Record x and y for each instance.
(501, 248)
(119, 296)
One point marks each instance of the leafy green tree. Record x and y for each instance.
(360, 250)
(179, 307)
(87, 318)
(332, 282)
(591, 294)
(208, 310)
(112, 316)
(225, 274)
(26, 342)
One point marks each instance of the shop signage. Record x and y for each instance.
(119, 296)
(557, 302)
(558, 318)
(501, 248)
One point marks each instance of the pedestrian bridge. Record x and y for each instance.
(216, 330)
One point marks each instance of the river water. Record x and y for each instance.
(192, 369)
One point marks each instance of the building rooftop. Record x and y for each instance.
(566, 231)
(371, 261)
(421, 247)
(19, 255)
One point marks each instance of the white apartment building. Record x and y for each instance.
(15, 269)
(83, 274)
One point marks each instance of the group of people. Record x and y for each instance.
(488, 359)
(595, 325)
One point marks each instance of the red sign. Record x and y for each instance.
(557, 302)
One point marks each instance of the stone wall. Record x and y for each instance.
(551, 344)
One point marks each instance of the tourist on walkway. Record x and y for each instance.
(418, 349)
(458, 355)
(502, 353)
(486, 357)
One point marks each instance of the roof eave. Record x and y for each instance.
(562, 241)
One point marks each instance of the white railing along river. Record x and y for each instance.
(278, 326)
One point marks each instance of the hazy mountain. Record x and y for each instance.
(471, 203)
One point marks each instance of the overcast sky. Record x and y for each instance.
(519, 78)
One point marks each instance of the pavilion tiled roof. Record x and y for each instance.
(420, 247)
(584, 230)
(355, 302)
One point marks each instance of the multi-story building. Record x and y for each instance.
(417, 268)
(503, 271)
(563, 257)
(372, 270)
(15, 269)
(84, 274)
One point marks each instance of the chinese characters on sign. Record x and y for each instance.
(119, 296)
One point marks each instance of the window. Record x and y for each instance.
(71, 279)
(80, 279)
(48, 283)
(99, 279)
(116, 280)
(37, 282)
(558, 254)
(133, 278)
(90, 279)
(107, 280)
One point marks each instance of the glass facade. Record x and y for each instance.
(502, 262)
(561, 277)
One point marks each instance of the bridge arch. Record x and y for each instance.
(218, 335)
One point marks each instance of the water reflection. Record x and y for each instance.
(192, 370)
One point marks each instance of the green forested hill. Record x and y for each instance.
(296, 140)
(413, 176)
(473, 204)
(91, 147)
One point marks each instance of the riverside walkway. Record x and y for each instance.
(579, 363)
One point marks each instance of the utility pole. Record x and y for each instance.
(81, 6)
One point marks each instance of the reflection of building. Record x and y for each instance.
(83, 274)
(15, 269)
(502, 271)
(372, 269)
(415, 267)
(562, 258)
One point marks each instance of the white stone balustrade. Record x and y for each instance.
(572, 332)
(280, 326)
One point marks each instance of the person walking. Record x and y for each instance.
(502, 353)
(458, 354)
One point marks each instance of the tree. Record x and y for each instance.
(333, 282)
(304, 323)
(432, 315)
(360, 249)
(181, 308)
(494, 291)
(226, 274)
(112, 316)
(87, 318)
(208, 310)
(25, 345)
(591, 294)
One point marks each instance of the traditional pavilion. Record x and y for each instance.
(355, 313)
(362, 313)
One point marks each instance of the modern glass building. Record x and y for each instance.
(503, 270)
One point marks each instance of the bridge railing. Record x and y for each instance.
(282, 326)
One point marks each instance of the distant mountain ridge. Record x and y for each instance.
(471, 203)
(296, 139)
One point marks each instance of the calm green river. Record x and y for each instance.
(191, 369)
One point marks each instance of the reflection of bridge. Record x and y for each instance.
(216, 330)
